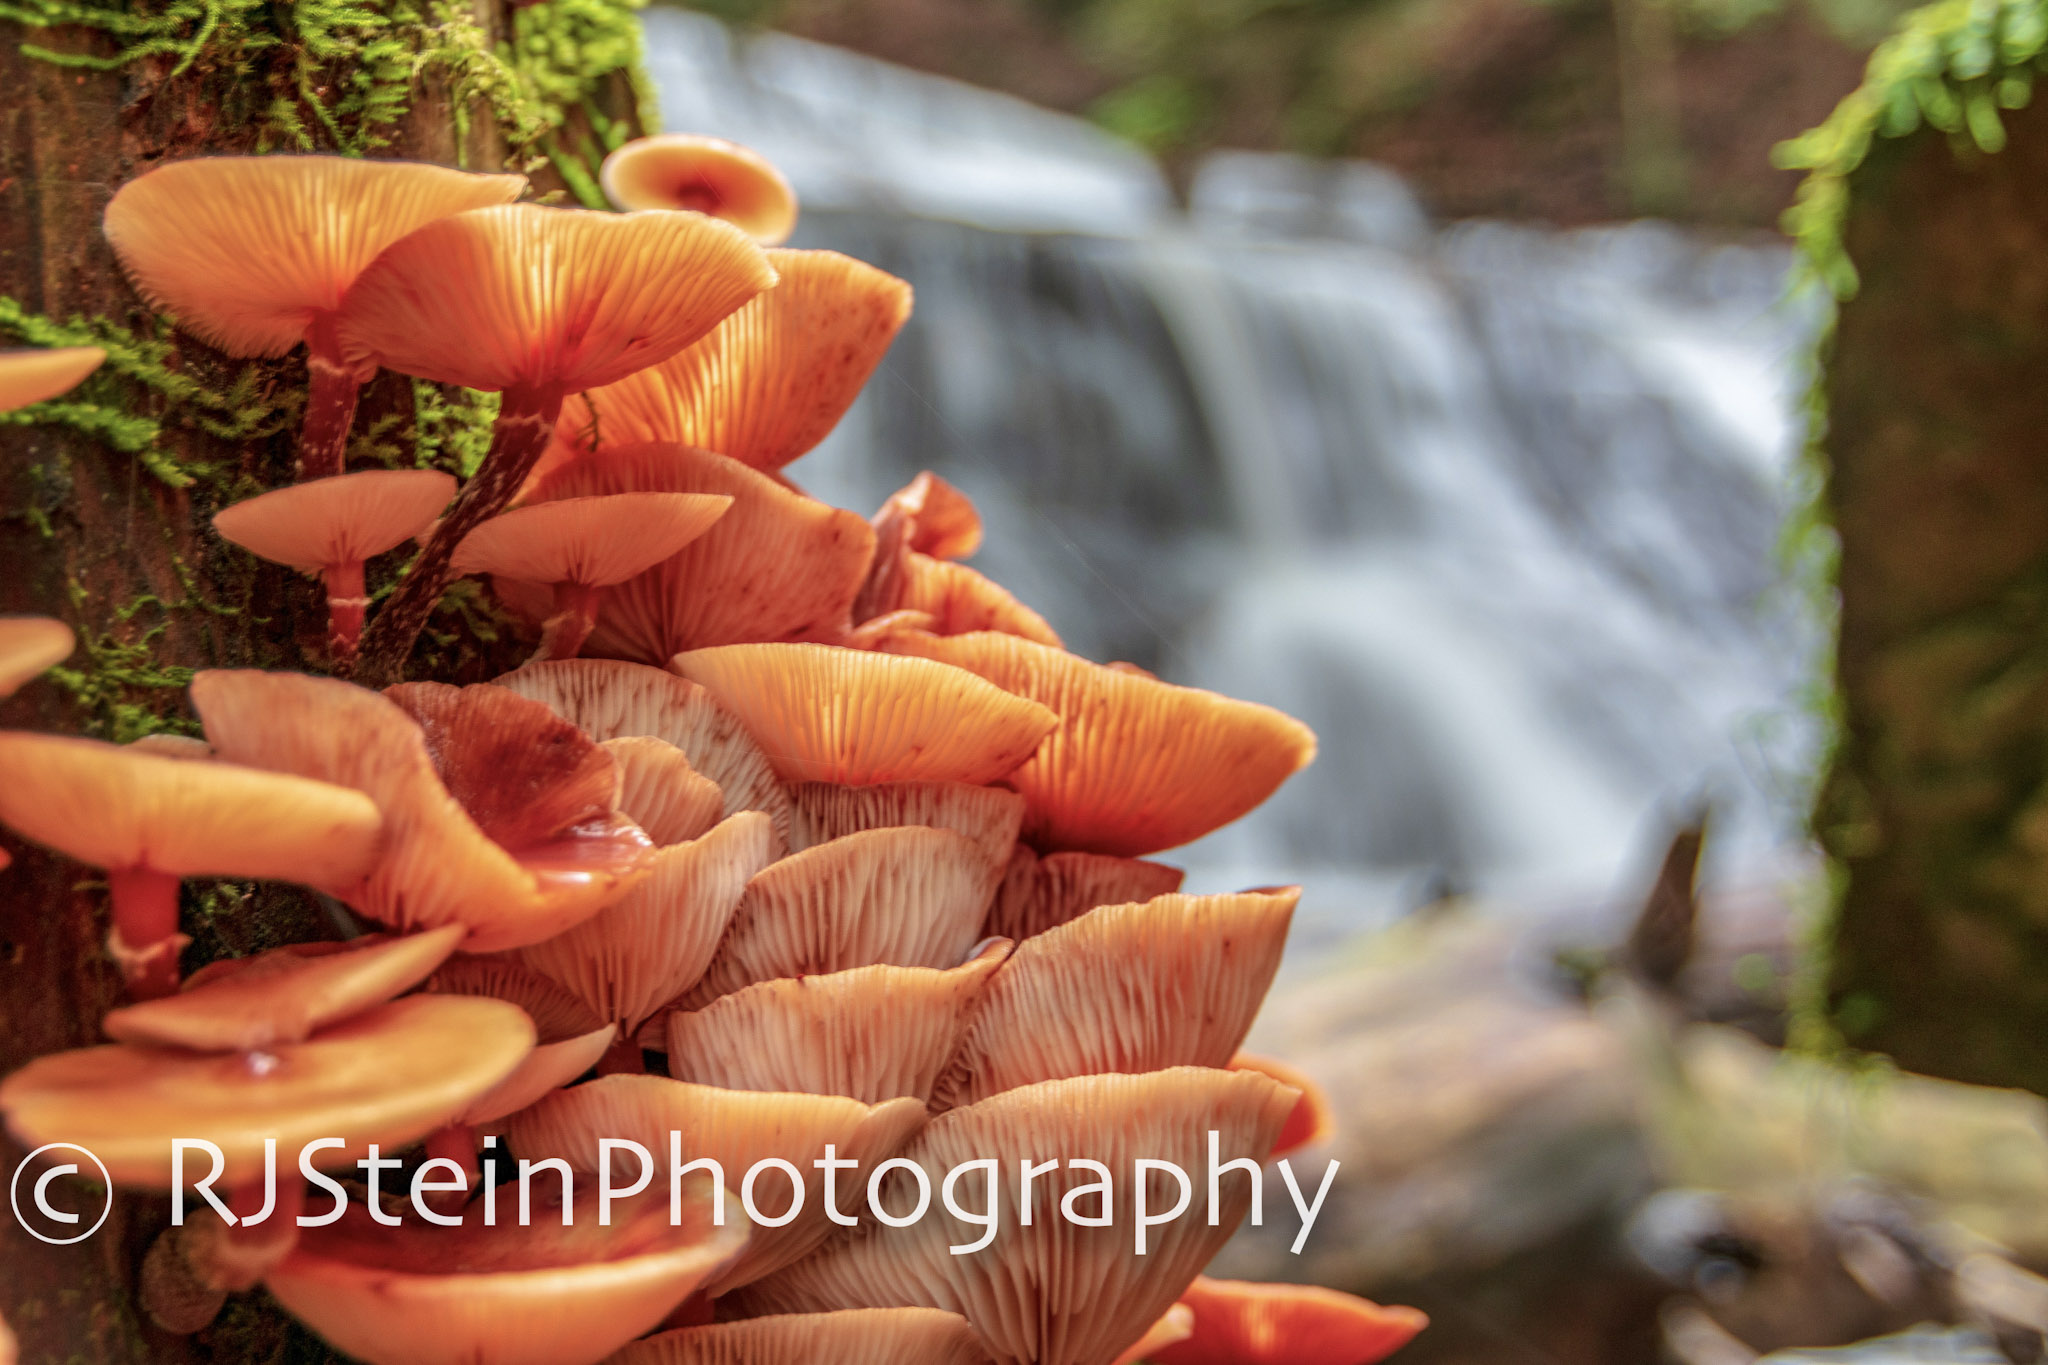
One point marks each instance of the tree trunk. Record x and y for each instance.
(106, 523)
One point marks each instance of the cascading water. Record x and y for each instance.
(1493, 508)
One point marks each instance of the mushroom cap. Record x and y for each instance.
(1042, 892)
(345, 519)
(528, 296)
(736, 1128)
(870, 1033)
(1175, 981)
(608, 700)
(30, 376)
(1239, 1323)
(547, 1068)
(706, 175)
(595, 542)
(282, 996)
(557, 1015)
(1052, 1293)
(29, 646)
(109, 806)
(644, 950)
(846, 716)
(1175, 1324)
(908, 897)
(1314, 1119)
(1136, 765)
(245, 251)
(824, 811)
(941, 519)
(547, 1294)
(780, 564)
(662, 793)
(857, 1336)
(389, 1076)
(960, 601)
(499, 814)
(771, 381)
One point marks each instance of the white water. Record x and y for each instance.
(1492, 508)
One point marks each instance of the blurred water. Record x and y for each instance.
(1493, 508)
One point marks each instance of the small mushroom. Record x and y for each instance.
(706, 175)
(1314, 1120)
(919, 532)
(934, 517)
(857, 1336)
(567, 1290)
(824, 811)
(871, 1033)
(1136, 765)
(1173, 982)
(908, 897)
(662, 793)
(29, 646)
(331, 527)
(151, 821)
(1238, 1323)
(849, 717)
(583, 545)
(735, 1128)
(30, 376)
(1041, 893)
(255, 254)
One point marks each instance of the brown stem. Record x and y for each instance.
(575, 614)
(331, 389)
(145, 938)
(347, 600)
(521, 433)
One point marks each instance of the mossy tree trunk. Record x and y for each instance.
(1938, 445)
(105, 497)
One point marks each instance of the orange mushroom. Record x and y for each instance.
(567, 1290)
(857, 1336)
(919, 531)
(583, 545)
(31, 645)
(331, 526)
(1136, 765)
(1173, 982)
(824, 811)
(1041, 893)
(571, 1040)
(934, 518)
(662, 793)
(706, 175)
(1175, 1324)
(1237, 1323)
(255, 254)
(10, 1348)
(31, 376)
(1314, 1119)
(151, 821)
(536, 303)
(845, 716)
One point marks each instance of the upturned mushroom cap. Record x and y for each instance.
(572, 1038)
(858, 1336)
(825, 811)
(1314, 1119)
(284, 995)
(608, 700)
(771, 381)
(245, 251)
(1041, 893)
(1238, 1323)
(644, 950)
(388, 1076)
(736, 1128)
(29, 646)
(661, 792)
(345, 519)
(907, 897)
(1175, 981)
(960, 601)
(500, 815)
(845, 716)
(941, 519)
(32, 376)
(111, 807)
(1052, 1293)
(525, 296)
(706, 175)
(547, 1294)
(1136, 765)
(594, 542)
(872, 1033)
(1175, 1324)
(780, 564)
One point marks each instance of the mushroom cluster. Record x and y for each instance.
(799, 846)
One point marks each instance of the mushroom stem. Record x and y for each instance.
(623, 1058)
(526, 421)
(347, 601)
(563, 633)
(243, 1254)
(145, 938)
(330, 403)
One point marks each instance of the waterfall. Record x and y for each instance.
(1491, 507)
